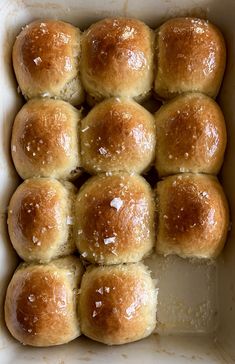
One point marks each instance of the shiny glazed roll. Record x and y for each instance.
(45, 140)
(114, 219)
(191, 135)
(190, 56)
(41, 302)
(117, 59)
(46, 57)
(117, 303)
(193, 216)
(40, 219)
(117, 135)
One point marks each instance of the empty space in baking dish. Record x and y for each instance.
(196, 311)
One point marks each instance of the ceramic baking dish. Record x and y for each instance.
(196, 310)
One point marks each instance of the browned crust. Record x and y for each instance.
(191, 56)
(115, 219)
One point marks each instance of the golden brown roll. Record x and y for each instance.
(117, 59)
(190, 56)
(114, 219)
(45, 140)
(117, 135)
(193, 216)
(41, 302)
(40, 219)
(46, 57)
(191, 135)
(117, 303)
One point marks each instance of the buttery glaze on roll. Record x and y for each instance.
(191, 135)
(41, 302)
(193, 216)
(117, 59)
(114, 219)
(117, 135)
(45, 140)
(117, 303)
(46, 61)
(40, 219)
(190, 56)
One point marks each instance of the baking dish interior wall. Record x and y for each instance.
(226, 272)
(18, 13)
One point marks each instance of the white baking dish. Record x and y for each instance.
(196, 300)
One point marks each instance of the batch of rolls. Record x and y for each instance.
(115, 219)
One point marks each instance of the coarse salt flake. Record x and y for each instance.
(37, 60)
(31, 298)
(116, 203)
(69, 220)
(98, 304)
(35, 239)
(110, 240)
(85, 129)
(102, 151)
(128, 33)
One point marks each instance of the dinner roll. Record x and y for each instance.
(117, 135)
(191, 135)
(45, 140)
(114, 219)
(117, 303)
(40, 219)
(41, 302)
(117, 59)
(46, 61)
(193, 216)
(190, 56)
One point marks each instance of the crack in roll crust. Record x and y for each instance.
(191, 135)
(193, 216)
(114, 219)
(117, 135)
(46, 61)
(190, 56)
(41, 302)
(40, 218)
(117, 59)
(45, 140)
(117, 303)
